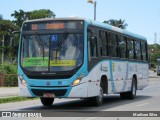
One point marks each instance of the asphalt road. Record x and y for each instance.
(147, 100)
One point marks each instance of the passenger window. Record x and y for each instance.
(92, 44)
(103, 43)
(113, 45)
(130, 49)
(122, 46)
(144, 51)
(138, 50)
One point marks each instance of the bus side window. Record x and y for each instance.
(103, 43)
(144, 51)
(130, 49)
(113, 45)
(122, 46)
(92, 44)
(138, 50)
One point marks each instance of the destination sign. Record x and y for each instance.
(52, 25)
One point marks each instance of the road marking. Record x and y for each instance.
(91, 118)
(142, 104)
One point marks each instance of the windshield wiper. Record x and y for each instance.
(40, 43)
(59, 46)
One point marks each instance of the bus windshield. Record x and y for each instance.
(52, 52)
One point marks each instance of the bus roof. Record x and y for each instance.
(50, 19)
(95, 23)
(116, 29)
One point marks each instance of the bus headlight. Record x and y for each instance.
(77, 80)
(23, 82)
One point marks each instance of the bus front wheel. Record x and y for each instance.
(47, 101)
(98, 100)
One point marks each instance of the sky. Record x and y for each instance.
(142, 16)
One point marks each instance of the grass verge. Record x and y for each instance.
(14, 99)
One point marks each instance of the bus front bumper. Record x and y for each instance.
(78, 91)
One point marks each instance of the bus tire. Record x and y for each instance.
(98, 100)
(130, 94)
(123, 95)
(47, 101)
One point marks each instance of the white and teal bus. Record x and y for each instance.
(80, 58)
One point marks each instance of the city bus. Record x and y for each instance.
(80, 58)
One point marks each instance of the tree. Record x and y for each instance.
(6, 27)
(20, 17)
(154, 53)
(154, 57)
(154, 47)
(42, 13)
(117, 23)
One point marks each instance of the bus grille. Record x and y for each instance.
(39, 92)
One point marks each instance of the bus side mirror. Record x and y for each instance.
(93, 41)
(12, 37)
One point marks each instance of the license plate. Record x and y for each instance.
(48, 95)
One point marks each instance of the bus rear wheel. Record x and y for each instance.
(47, 101)
(130, 94)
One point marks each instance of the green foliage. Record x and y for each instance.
(117, 23)
(10, 74)
(14, 99)
(6, 27)
(42, 13)
(8, 69)
(155, 56)
(154, 52)
(21, 16)
(10, 80)
(154, 47)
